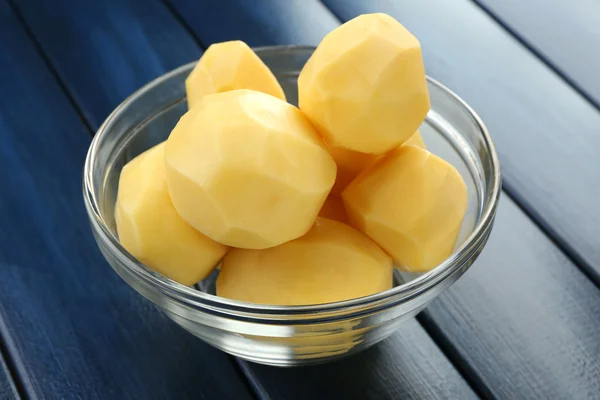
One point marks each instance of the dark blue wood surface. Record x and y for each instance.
(566, 34)
(257, 22)
(72, 327)
(546, 133)
(105, 50)
(522, 323)
(524, 319)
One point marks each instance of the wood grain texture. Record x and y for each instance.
(408, 365)
(257, 22)
(566, 34)
(105, 50)
(73, 328)
(524, 318)
(547, 134)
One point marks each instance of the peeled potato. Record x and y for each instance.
(351, 163)
(334, 209)
(412, 204)
(247, 169)
(229, 66)
(416, 140)
(150, 228)
(332, 262)
(364, 86)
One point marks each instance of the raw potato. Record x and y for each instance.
(351, 163)
(416, 140)
(334, 209)
(247, 169)
(332, 262)
(412, 204)
(364, 86)
(150, 228)
(229, 66)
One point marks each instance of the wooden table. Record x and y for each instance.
(524, 323)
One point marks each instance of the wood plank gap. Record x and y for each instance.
(38, 47)
(570, 253)
(184, 24)
(544, 59)
(465, 370)
(16, 372)
(254, 386)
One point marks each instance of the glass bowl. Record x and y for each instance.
(285, 335)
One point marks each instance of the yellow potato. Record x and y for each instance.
(364, 87)
(416, 140)
(150, 228)
(247, 169)
(332, 262)
(412, 204)
(351, 163)
(229, 66)
(334, 209)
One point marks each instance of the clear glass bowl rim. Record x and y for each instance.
(211, 303)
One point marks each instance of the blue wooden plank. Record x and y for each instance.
(522, 323)
(525, 319)
(73, 328)
(105, 50)
(566, 34)
(547, 134)
(258, 22)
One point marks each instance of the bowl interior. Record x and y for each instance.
(148, 116)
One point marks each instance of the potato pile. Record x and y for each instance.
(304, 205)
